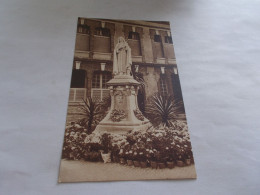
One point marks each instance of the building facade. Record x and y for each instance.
(153, 59)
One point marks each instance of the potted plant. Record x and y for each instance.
(153, 161)
(130, 158)
(170, 157)
(170, 163)
(161, 156)
(115, 154)
(136, 159)
(188, 159)
(143, 159)
(106, 143)
(122, 160)
(162, 163)
(180, 159)
(188, 154)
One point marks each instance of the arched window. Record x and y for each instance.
(99, 89)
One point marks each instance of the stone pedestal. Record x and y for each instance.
(124, 114)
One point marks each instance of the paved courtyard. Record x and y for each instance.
(77, 171)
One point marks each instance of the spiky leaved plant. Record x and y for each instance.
(92, 112)
(162, 110)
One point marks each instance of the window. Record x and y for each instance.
(163, 86)
(102, 40)
(102, 32)
(99, 89)
(84, 29)
(176, 87)
(77, 86)
(134, 43)
(81, 21)
(134, 36)
(168, 39)
(82, 26)
(157, 38)
(158, 47)
(100, 79)
(78, 79)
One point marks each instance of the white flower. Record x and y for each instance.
(77, 126)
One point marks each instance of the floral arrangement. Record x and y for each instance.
(117, 115)
(155, 145)
(138, 114)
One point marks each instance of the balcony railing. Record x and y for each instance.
(98, 94)
(77, 94)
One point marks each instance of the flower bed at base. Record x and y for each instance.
(156, 147)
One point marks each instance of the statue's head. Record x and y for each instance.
(121, 40)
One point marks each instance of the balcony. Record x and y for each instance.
(137, 58)
(102, 56)
(81, 54)
(98, 94)
(77, 94)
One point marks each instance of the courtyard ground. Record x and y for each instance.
(78, 171)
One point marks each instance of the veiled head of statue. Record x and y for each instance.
(121, 40)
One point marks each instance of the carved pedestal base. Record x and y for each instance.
(124, 114)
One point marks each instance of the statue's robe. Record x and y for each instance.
(122, 58)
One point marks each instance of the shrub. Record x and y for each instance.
(162, 110)
(92, 112)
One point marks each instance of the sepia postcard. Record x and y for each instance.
(125, 117)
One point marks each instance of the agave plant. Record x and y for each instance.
(92, 112)
(162, 110)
